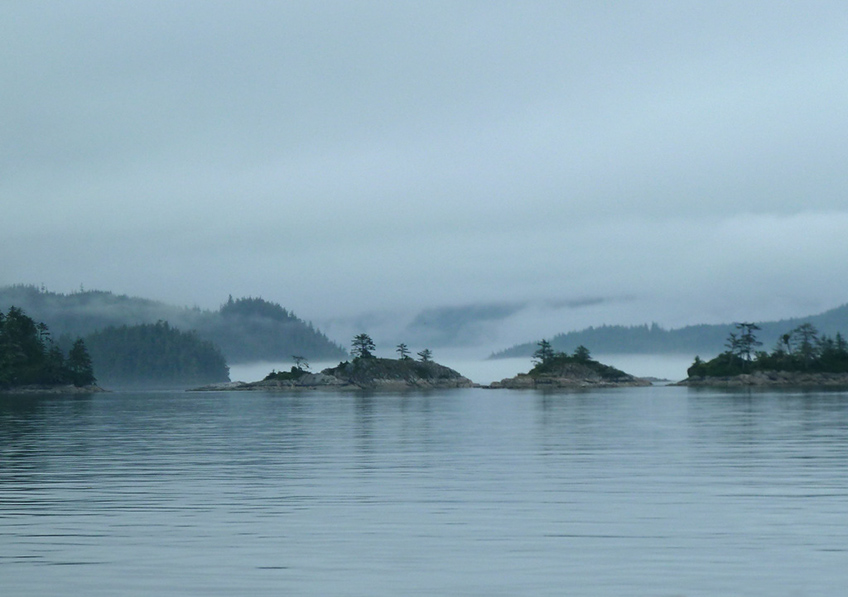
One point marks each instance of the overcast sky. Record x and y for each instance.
(600, 162)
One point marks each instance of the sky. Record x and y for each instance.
(576, 163)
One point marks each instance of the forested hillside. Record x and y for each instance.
(252, 329)
(705, 340)
(247, 329)
(155, 353)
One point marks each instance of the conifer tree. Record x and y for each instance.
(80, 365)
(403, 352)
(544, 354)
(746, 342)
(581, 353)
(363, 346)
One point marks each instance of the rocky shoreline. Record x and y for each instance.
(566, 373)
(524, 381)
(42, 389)
(771, 379)
(361, 374)
(562, 372)
(321, 382)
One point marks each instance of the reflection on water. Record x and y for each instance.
(643, 491)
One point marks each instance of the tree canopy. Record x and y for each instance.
(29, 356)
(155, 354)
(245, 329)
(544, 353)
(801, 349)
(549, 362)
(363, 346)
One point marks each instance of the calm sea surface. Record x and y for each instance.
(652, 491)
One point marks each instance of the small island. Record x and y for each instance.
(802, 358)
(364, 372)
(555, 370)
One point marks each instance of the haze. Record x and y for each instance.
(574, 163)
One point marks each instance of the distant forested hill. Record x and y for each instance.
(246, 329)
(155, 353)
(252, 329)
(704, 340)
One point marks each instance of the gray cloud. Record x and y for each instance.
(345, 158)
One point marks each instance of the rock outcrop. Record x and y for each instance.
(776, 379)
(52, 389)
(566, 373)
(362, 373)
(375, 373)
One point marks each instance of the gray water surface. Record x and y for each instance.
(652, 491)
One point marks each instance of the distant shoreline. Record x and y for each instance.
(771, 379)
(56, 390)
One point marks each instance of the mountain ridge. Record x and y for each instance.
(245, 329)
(704, 339)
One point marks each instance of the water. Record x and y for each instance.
(657, 491)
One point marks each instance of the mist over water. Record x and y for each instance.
(661, 366)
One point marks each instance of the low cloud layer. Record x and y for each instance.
(686, 160)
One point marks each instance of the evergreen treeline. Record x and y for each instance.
(29, 356)
(644, 339)
(155, 353)
(802, 349)
(654, 339)
(248, 329)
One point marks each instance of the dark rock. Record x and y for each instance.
(570, 374)
(63, 389)
(786, 379)
(368, 373)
